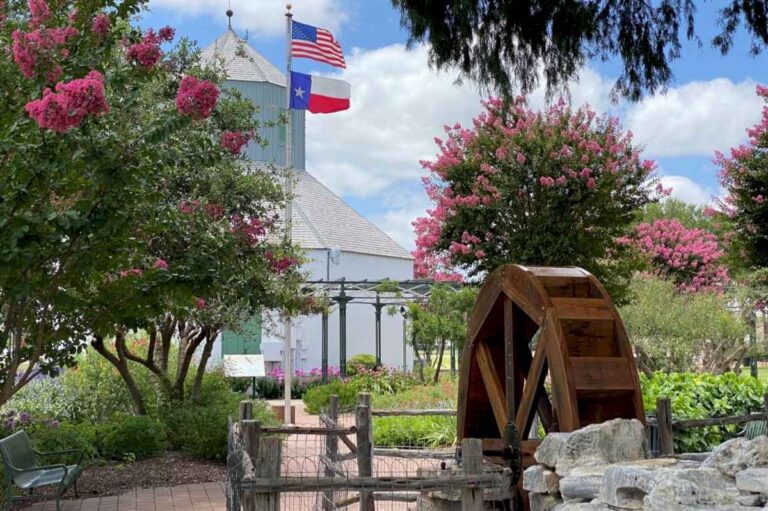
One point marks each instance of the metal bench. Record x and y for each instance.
(23, 471)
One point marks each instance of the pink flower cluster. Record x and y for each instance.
(160, 264)
(690, 257)
(147, 52)
(100, 25)
(200, 304)
(37, 52)
(253, 230)
(234, 141)
(196, 98)
(280, 264)
(72, 102)
(39, 11)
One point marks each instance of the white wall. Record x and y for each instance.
(307, 330)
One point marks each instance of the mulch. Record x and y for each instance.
(116, 478)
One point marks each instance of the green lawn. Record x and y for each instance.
(762, 373)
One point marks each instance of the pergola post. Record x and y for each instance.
(342, 300)
(378, 306)
(324, 362)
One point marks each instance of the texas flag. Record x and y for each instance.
(319, 95)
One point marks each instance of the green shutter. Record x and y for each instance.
(246, 342)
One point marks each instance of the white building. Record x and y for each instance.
(340, 243)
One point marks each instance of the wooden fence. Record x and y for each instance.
(667, 425)
(259, 482)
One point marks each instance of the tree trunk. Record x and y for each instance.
(440, 353)
(121, 364)
(201, 366)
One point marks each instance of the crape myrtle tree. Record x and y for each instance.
(211, 252)
(744, 176)
(508, 43)
(96, 129)
(442, 318)
(553, 188)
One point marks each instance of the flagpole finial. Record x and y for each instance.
(288, 7)
(229, 16)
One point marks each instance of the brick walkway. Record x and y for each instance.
(192, 497)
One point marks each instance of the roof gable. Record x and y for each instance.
(241, 61)
(322, 220)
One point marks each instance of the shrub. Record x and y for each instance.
(134, 437)
(201, 431)
(362, 360)
(268, 388)
(316, 399)
(698, 396)
(414, 431)
(64, 437)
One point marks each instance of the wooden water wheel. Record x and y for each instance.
(543, 341)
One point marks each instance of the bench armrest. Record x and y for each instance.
(36, 469)
(67, 451)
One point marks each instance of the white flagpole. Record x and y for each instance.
(287, 355)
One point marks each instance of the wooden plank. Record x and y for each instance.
(664, 424)
(500, 479)
(415, 454)
(718, 421)
(492, 386)
(331, 449)
(267, 466)
(309, 430)
(364, 422)
(590, 338)
(437, 412)
(557, 271)
(533, 383)
(563, 385)
(601, 373)
(528, 447)
(511, 372)
(471, 464)
(582, 308)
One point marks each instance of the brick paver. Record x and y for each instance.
(190, 497)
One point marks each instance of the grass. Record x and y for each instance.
(762, 373)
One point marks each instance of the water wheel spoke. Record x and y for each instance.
(534, 387)
(492, 386)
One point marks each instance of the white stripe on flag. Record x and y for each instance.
(313, 46)
(314, 54)
(330, 87)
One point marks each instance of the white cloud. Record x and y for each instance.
(260, 17)
(396, 221)
(695, 119)
(399, 104)
(687, 190)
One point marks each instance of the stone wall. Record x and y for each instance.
(606, 467)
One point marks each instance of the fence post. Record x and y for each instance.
(472, 463)
(251, 431)
(364, 422)
(664, 424)
(331, 451)
(765, 405)
(267, 466)
(246, 410)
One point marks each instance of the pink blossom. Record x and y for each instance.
(501, 153)
(196, 98)
(166, 34)
(520, 158)
(546, 181)
(591, 183)
(234, 141)
(200, 304)
(160, 264)
(72, 16)
(39, 11)
(145, 54)
(70, 104)
(100, 25)
(37, 52)
(759, 198)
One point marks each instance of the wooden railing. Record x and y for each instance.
(260, 482)
(667, 425)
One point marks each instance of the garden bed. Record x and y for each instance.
(168, 469)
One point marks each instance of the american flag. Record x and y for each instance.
(316, 44)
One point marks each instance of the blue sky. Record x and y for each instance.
(370, 154)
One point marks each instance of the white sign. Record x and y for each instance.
(244, 365)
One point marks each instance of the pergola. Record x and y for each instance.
(378, 294)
